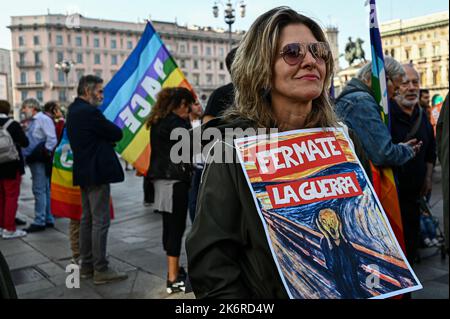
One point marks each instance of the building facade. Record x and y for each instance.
(424, 41)
(5, 76)
(100, 47)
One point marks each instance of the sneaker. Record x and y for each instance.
(86, 272)
(50, 225)
(427, 242)
(176, 286)
(34, 228)
(13, 234)
(435, 242)
(107, 276)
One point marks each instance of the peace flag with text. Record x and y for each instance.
(132, 92)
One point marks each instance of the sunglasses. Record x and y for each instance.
(294, 53)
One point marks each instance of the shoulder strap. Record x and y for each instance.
(7, 124)
(415, 127)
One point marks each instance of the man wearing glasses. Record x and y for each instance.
(409, 121)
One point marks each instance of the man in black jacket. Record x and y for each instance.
(408, 120)
(95, 166)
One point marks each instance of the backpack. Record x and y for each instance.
(8, 150)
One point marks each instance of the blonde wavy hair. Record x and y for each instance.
(252, 71)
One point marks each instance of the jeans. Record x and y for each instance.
(41, 192)
(427, 227)
(94, 226)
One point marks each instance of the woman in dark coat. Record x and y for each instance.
(281, 73)
(171, 180)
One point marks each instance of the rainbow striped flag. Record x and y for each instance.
(383, 177)
(131, 93)
(129, 97)
(65, 199)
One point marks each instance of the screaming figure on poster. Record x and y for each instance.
(340, 256)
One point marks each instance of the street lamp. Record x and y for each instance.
(65, 66)
(229, 14)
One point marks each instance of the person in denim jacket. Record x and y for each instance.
(357, 107)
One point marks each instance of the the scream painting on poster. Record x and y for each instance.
(329, 235)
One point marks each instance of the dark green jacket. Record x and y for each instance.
(227, 250)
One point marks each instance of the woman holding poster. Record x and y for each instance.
(296, 215)
(281, 73)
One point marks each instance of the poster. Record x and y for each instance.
(327, 231)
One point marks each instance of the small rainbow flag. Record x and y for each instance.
(65, 199)
(130, 95)
(383, 177)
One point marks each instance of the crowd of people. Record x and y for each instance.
(281, 82)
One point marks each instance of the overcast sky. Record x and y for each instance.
(350, 16)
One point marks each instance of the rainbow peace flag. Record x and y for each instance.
(383, 177)
(131, 93)
(129, 97)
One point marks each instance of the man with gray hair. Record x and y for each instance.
(357, 107)
(41, 133)
(409, 120)
(95, 166)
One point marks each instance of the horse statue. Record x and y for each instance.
(360, 54)
(350, 51)
(354, 51)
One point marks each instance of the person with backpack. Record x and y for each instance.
(12, 138)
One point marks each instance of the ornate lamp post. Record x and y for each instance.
(229, 14)
(65, 66)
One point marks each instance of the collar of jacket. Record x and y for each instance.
(79, 100)
(401, 115)
(357, 84)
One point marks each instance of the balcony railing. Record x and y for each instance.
(23, 64)
(30, 85)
